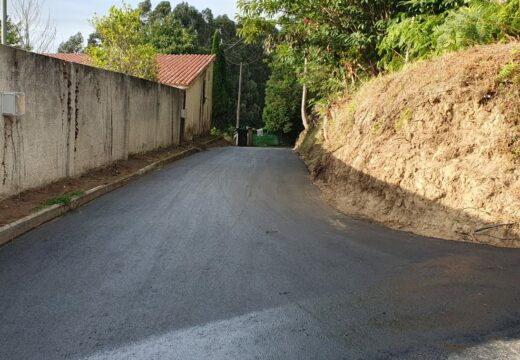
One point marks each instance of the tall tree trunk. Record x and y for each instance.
(305, 118)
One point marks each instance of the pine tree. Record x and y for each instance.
(221, 98)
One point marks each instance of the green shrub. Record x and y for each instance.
(509, 72)
(403, 119)
(65, 199)
(411, 37)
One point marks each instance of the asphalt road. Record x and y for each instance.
(231, 254)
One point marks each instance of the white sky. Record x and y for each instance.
(71, 16)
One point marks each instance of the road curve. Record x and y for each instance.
(231, 254)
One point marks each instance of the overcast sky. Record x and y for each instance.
(71, 16)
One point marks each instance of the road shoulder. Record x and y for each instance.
(18, 227)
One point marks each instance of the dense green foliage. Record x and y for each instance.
(164, 30)
(294, 47)
(282, 112)
(346, 41)
(255, 74)
(74, 45)
(433, 30)
(199, 22)
(13, 34)
(337, 32)
(338, 38)
(168, 36)
(123, 46)
(221, 98)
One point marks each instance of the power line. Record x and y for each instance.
(245, 63)
(249, 62)
(235, 44)
(235, 59)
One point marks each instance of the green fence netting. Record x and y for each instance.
(266, 140)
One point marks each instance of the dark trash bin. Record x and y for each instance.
(242, 137)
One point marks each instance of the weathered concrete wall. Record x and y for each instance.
(198, 110)
(78, 118)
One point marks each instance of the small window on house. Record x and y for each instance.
(184, 100)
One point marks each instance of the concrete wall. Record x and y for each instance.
(79, 118)
(198, 111)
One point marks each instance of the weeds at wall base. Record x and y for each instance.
(65, 199)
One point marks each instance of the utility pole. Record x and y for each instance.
(4, 22)
(239, 96)
(239, 103)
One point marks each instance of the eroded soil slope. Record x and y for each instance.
(433, 149)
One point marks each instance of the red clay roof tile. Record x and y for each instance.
(174, 70)
(182, 70)
(83, 59)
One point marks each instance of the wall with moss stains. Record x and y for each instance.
(78, 118)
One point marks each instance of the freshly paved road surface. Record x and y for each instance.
(231, 254)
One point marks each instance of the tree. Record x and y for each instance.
(254, 75)
(338, 35)
(72, 46)
(255, 70)
(226, 27)
(251, 101)
(123, 45)
(145, 7)
(194, 20)
(168, 36)
(281, 112)
(207, 15)
(161, 11)
(345, 31)
(35, 31)
(93, 40)
(13, 37)
(221, 100)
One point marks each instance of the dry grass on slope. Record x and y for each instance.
(433, 149)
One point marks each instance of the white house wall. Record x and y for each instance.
(198, 118)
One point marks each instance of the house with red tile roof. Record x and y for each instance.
(191, 73)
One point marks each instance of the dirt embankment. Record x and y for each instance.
(433, 149)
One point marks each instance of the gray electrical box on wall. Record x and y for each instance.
(12, 103)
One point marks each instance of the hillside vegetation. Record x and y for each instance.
(433, 149)
(321, 48)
